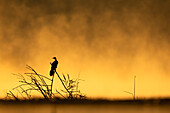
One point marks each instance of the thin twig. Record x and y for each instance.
(13, 95)
(64, 85)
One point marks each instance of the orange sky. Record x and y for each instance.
(106, 42)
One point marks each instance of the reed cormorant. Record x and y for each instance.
(53, 66)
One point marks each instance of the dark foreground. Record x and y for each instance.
(165, 101)
(85, 106)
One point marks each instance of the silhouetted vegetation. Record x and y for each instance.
(151, 101)
(33, 81)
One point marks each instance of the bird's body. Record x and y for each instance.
(53, 66)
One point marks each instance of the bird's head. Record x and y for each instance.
(55, 58)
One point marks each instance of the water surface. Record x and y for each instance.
(101, 108)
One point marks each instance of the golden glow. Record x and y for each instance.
(107, 46)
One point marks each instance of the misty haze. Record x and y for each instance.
(107, 43)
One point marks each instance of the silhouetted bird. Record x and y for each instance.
(53, 66)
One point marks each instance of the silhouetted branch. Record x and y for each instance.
(64, 85)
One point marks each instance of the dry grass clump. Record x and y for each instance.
(30, 82)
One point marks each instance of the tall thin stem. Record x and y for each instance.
(134, 88)
(52, 83)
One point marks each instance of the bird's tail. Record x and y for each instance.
(51, 72)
